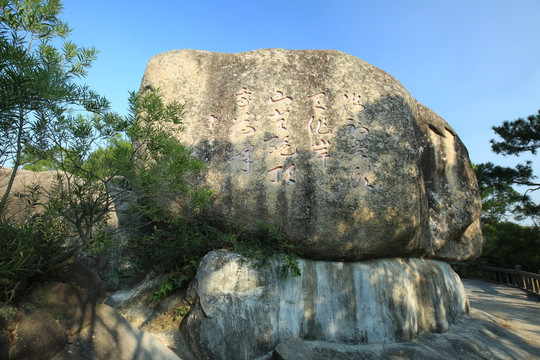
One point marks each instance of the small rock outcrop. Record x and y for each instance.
(329, 148)
(25, 181)
(63, 317)
(244, 312)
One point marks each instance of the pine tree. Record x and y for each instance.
(497, 183)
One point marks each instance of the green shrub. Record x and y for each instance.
(168, 286)
(178, 245)
(262, 241)
(27, 249)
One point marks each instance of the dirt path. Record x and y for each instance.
(510, 306)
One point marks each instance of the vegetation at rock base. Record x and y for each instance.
(178, 244)
(510, 243)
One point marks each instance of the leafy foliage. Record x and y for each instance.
(177, 245)
(40, 96)
(161, 164)
(33, 162)
(180, 312)
(265, 241)
(499, 198)
(168, 286)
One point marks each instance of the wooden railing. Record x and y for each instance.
(517, 277)
(525, 280)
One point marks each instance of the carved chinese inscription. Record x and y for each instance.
(211, 125)
(353, 126)
(279, 144)
(319, 129)
(279, 118)
(356, 133)
(244, 156)
(318, 101)
(279, 147)
(242, 124)
(280, 109)
(321, 150)
(359, 149)
(279, 173)
(352, 102)
(319, 126)
(357, 177)
(243, 97)
(280, 98)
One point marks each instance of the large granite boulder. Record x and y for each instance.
(329, 148)
(244, 312)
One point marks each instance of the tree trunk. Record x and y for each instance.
(16, 165)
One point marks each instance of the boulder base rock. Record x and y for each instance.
(244, 312)
(329, 148)
(475, 337)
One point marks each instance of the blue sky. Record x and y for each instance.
(474, 62)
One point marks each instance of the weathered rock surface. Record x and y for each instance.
(112, 337)
(244, 312)
(24, 181)
(70, 295)
(329, 148)
(161, 318)
(38, 335)
(62, 317)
